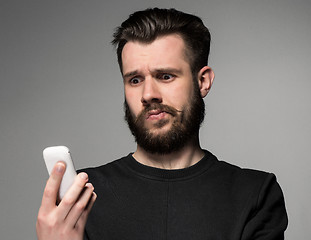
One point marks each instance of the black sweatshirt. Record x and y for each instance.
(211, 200)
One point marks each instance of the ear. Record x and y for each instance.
(205, 79)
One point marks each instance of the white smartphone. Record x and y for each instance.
(54, 154)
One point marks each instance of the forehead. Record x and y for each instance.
(165, 51)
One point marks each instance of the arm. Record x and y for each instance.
(67, 219)
(268, 220)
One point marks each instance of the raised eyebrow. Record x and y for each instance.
(168, 70)
(130, 74)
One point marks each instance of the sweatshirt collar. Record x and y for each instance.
(175, 174)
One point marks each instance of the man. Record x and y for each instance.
(169, 188)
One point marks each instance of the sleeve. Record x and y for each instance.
(85, 237)
(269, 219)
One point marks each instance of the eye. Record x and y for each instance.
(166, 76)
(135, 81)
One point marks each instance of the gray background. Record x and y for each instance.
(60, 84)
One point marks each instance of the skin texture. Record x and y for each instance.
(159, 72)
(156, 73)
(67, 219)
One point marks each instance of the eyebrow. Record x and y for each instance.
(130, 74)
(168, 70)
(158, 70)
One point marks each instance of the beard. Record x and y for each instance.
(186, 124)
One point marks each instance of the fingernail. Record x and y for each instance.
(60, 167)
(83, 175)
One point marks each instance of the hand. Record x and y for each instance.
(67, 219)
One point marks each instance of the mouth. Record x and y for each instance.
(156, 114)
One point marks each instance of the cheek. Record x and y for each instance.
(133, 101)
(180, 96)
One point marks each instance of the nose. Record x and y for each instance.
(151, 92)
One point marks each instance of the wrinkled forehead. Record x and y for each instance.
(163, 50)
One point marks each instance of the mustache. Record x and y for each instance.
(157, 106)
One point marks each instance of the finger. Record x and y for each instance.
(52, 186)
(79, 206)
(72, 195)
(83, 218)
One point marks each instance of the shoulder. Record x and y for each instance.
(244, 180)
(258, 196)
(255, 189)
(229, 171)
(105, 172)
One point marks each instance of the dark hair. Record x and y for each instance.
(145, 26)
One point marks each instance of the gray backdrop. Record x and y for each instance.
(60, 84)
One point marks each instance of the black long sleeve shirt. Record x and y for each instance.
(211, 200)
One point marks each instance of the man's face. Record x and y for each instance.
(163, 105)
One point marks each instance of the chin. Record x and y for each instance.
(160, 130)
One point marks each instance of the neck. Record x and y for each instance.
(189, 155)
